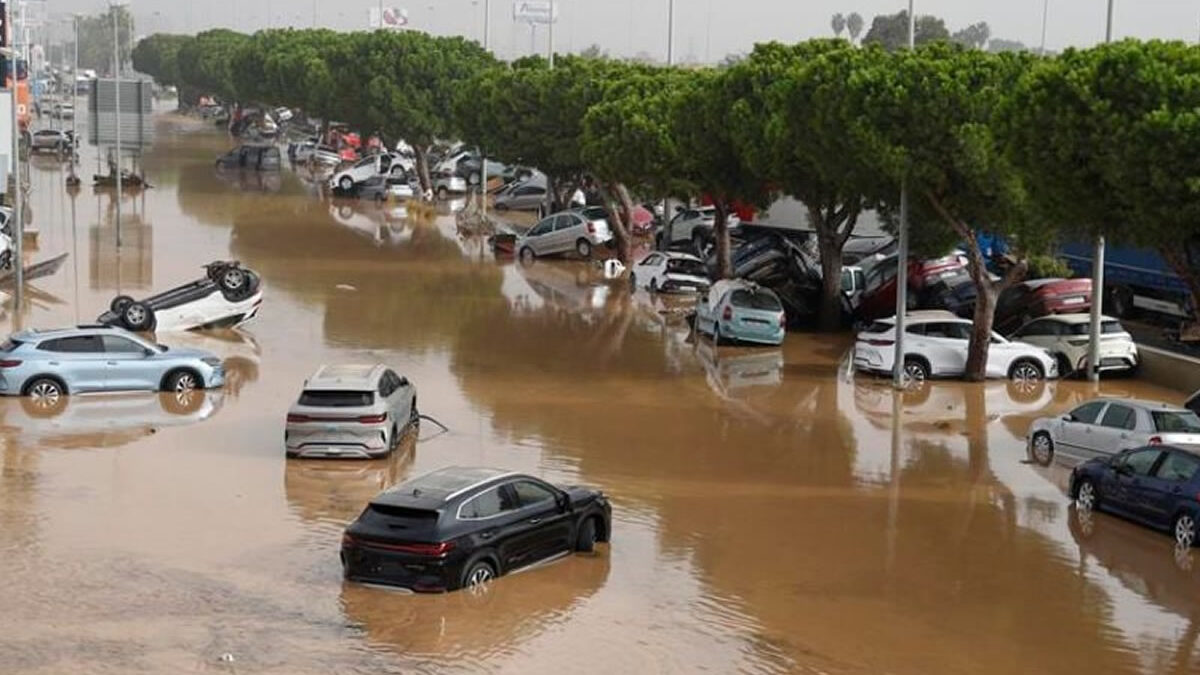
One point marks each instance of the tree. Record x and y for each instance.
(1108, 139)
(294, 68)
(96, 39)
(205, 62)
(930, 116)
(975, 36)
(890, 31)
(854, 25)
(594, 51)
(838, 23)
(1002, 45)
(794, 121)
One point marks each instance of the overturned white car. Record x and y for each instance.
(229, 295)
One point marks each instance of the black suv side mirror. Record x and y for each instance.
(563, 500)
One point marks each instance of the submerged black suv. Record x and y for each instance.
(459, 527)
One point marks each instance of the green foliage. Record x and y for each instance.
(96, 39)
(157, 56)
(205, 62)
(975, 36)
(854, 25)
(1047, 267)
(890, 31)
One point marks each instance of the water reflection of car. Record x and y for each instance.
(736, 370)
(256, 157)
(380, 224)
(107, 419)
(49, 364)
(936, 343)
(736, 310)
(670, 272)
(934, 405)
(463, 527)
(1156, 486)
(351, 412)
(336, 491)
(1103, 427)
(238, 350)
(470, 627)
(568, 286)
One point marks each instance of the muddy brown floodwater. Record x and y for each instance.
(766, 518)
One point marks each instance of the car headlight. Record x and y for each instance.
(212, 361)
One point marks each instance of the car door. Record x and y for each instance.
(1076, 432)
(564, 233)
(129, 365)
(1041, 333)
(946, 347)
(538, 234)
(1113, 433)
(544, 528)
(1130, 481)
(494, 518)
(1160, 493)
(80, 360)
(648, 269)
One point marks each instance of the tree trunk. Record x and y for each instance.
(986, 292)
(833, 228)
(422, 167)
(620, 207)
(721, 236)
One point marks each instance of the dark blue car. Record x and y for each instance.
(1157, 485)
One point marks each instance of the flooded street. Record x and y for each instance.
(766, 519)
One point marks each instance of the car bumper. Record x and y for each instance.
(684, 285)
(315, 440)
(872, 360)
(370, 565)
(768, 336)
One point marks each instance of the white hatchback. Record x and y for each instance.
(1066, 336)
(670, 272)
(935, 345)
(1103, 427)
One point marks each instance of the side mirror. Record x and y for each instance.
(678, 209)
(404, 382)
(147, 352)
(1068, 418)
(564, 501)
(1124, 470)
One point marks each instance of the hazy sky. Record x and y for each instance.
(703, 28)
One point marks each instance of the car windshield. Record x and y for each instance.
(594, 213)
(879, 327)
(1106, 327)
(1176, 421)
(686, 266)
(759, 299)
(330, 398)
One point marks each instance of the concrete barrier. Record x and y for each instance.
(1168, 369)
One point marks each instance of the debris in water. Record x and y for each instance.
(227, 658)
(346, 287)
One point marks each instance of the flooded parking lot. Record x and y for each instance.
(767, 515)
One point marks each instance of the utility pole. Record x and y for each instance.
(550, 39)
(74, 92)
(117, 91)
(898, 375)
(18, 197)
(483, 172)
(670, 36)
(1045, 14)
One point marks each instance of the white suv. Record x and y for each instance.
(371, 165)
(1066, 336)
(351, 412)
(935, 345)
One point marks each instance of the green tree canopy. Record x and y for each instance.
(157, 55)
(890, 31)
(205, 63)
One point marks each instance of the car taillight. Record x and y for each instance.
(373, 419)
(348, 541)
(728, 313)
(9, 363)
(783, 321)
(292, 417)
(591, 227)
(881, 343)
(1155, 440)
(438, 549)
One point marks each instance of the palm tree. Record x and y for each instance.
(854, 23)
(838, 23)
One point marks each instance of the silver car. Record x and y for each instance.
(351, 412)
(1103, 427)
(48, 365)
(579, 230)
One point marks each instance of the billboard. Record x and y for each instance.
(137, 129)
(534, 11)
(392, 18)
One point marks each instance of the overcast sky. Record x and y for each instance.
(703, 28)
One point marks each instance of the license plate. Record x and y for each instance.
(331, 429)
(947, 275)
(687, 288)
(1072, 301)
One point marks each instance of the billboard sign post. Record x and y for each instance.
(534, 11)
(387, 18)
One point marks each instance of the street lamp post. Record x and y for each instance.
(670, 35)
(902, 253)
(18, 199)
(1045, 14)
(550, 37)
(1098, 268)
(117, 91)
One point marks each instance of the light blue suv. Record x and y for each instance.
(46, 365)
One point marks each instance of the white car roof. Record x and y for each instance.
(927, 315)
(345, 376)
(723, 286)
(1144, 404)
(1072, 318)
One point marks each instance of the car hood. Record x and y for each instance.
(581, 494)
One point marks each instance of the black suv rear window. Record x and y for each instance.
(402, 521)
(336, 399)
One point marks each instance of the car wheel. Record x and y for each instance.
(183, 402)
(1086, 496)
(119, 303)
(346, 183)
(478, 573)
(1042, 448)
(394, 440)
(138, 317)
(1185, 530)
(414, 417)
(654, 285)
(527, 256)
(1025, 372)
(500, 207)
(1064, 365)
(6, 260)
(585, 541)
(443, 193)
(47, 395)
(232, 280)
(632, 281)
(379, 197)
(915, 372)
(584, 248)
(181, 381)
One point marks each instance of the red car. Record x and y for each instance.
(879, 283)
(1023, 302)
